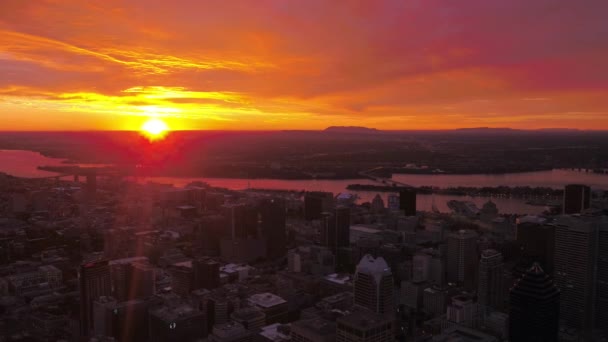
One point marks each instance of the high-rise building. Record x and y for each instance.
(316, 202)
(463, 310)
(182, 279)
(335, 234)
(206, 273)
(142, 280)
(91, 189)
(373, 285)
(365, 326)
(601, 291)
(434, 300)
(407, 202)
(577, 198)
(534, 307)
(491, 280)
(272, 214)
(242, 220)
(94, 282)
(462, 259)
(537, 241)
(575, 252)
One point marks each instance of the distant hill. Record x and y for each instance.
(350, 129)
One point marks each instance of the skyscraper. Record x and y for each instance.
(272, 222)
(462, 258)
(407, 202)
(577, 198)
(94, 282)
(373, 285)
(537, 241)
(534, 307)
(575, 249)
(491, 280)
(316, 202)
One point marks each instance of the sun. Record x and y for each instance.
(154, 129)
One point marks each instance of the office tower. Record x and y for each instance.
(206, 273)
(251, 318)
(242, 220)
(534, 307)
(364, 326)
(407, 202)
(182, 278)
(124, 321)
(464, 311)
(462, 259)
(316, 202)
(94, 282)
(575, 243)
(537, 241)
(91, 189)
(342, 216)
(373, 285)
(179, 322)
(412, 294)
(211, 230)
(272, 214)
(601, 291)
(577, 198)
(421, 267)
(335, 229)
(434, 300)
(491, 280)
(142, 280)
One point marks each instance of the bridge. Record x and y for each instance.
(387, 181)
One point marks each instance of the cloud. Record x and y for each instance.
(412, 64)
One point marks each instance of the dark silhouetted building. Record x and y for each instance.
(575, 250)
(206, 274)
(537, 242)
(577, 198)
(462, 259)
(273, 216)
(316, 202)
(407, 202)
(94, 282)
(373, 285)
(491, 280)
(91, 188)
(534, 308)
(182, 279)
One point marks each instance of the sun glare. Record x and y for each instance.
(155, 129)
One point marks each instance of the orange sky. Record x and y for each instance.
(71, 65)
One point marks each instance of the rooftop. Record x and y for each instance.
(266, 300)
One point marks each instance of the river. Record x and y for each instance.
(25, 163)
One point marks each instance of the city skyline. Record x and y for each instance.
(302, 65)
